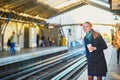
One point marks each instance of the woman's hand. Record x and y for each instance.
(92, 48)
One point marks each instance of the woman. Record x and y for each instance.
(95, 56)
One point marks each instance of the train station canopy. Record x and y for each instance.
(44, 9)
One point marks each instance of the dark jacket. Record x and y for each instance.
(99, 43)
(9, 42)
(96, 60)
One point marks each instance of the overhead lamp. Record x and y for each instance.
(50, 27)
(116, 17)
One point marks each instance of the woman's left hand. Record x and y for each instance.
(93, 48)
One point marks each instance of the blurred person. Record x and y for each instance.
(0, 46)
(50, 40)
(37, 40)
(94, 45)
(42, 41)
(64, 41)
(116, 43)
(13, 43)
(9, 43)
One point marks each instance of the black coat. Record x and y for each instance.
(96, 61)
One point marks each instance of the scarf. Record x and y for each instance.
(89, 35)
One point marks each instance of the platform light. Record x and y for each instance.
(42, 25)
(34, 24)
(51, 27)
(116, 17)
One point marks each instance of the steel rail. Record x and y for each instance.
(38, 66)
(57, 69)
(68, 70)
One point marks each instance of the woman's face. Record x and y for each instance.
(87, 27)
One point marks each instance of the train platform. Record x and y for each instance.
(113, 67)
(7, 53)
(29, 53)
(29, 50)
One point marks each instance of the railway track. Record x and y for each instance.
(51, 68)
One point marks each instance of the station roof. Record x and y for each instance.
(39, 10)
(43, 8)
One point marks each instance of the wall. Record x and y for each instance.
(54, 32)
(19, 33)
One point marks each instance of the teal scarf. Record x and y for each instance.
(89, 35)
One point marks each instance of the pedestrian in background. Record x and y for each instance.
(42, 41)
(13, 43)
(50, 40)
(116, 44)
(9, 43)
(94, 45)
(64, 41)
(37, 40)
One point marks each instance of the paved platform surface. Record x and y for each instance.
(27, 50)
(113, 67)
(25, 54)
(22, 51)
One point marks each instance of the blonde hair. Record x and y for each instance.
(94, 33)
(88, 23)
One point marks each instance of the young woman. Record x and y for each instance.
(94, 44)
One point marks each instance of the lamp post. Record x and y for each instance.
(116, 16)
(116, 19)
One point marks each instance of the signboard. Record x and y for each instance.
(115, 4)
